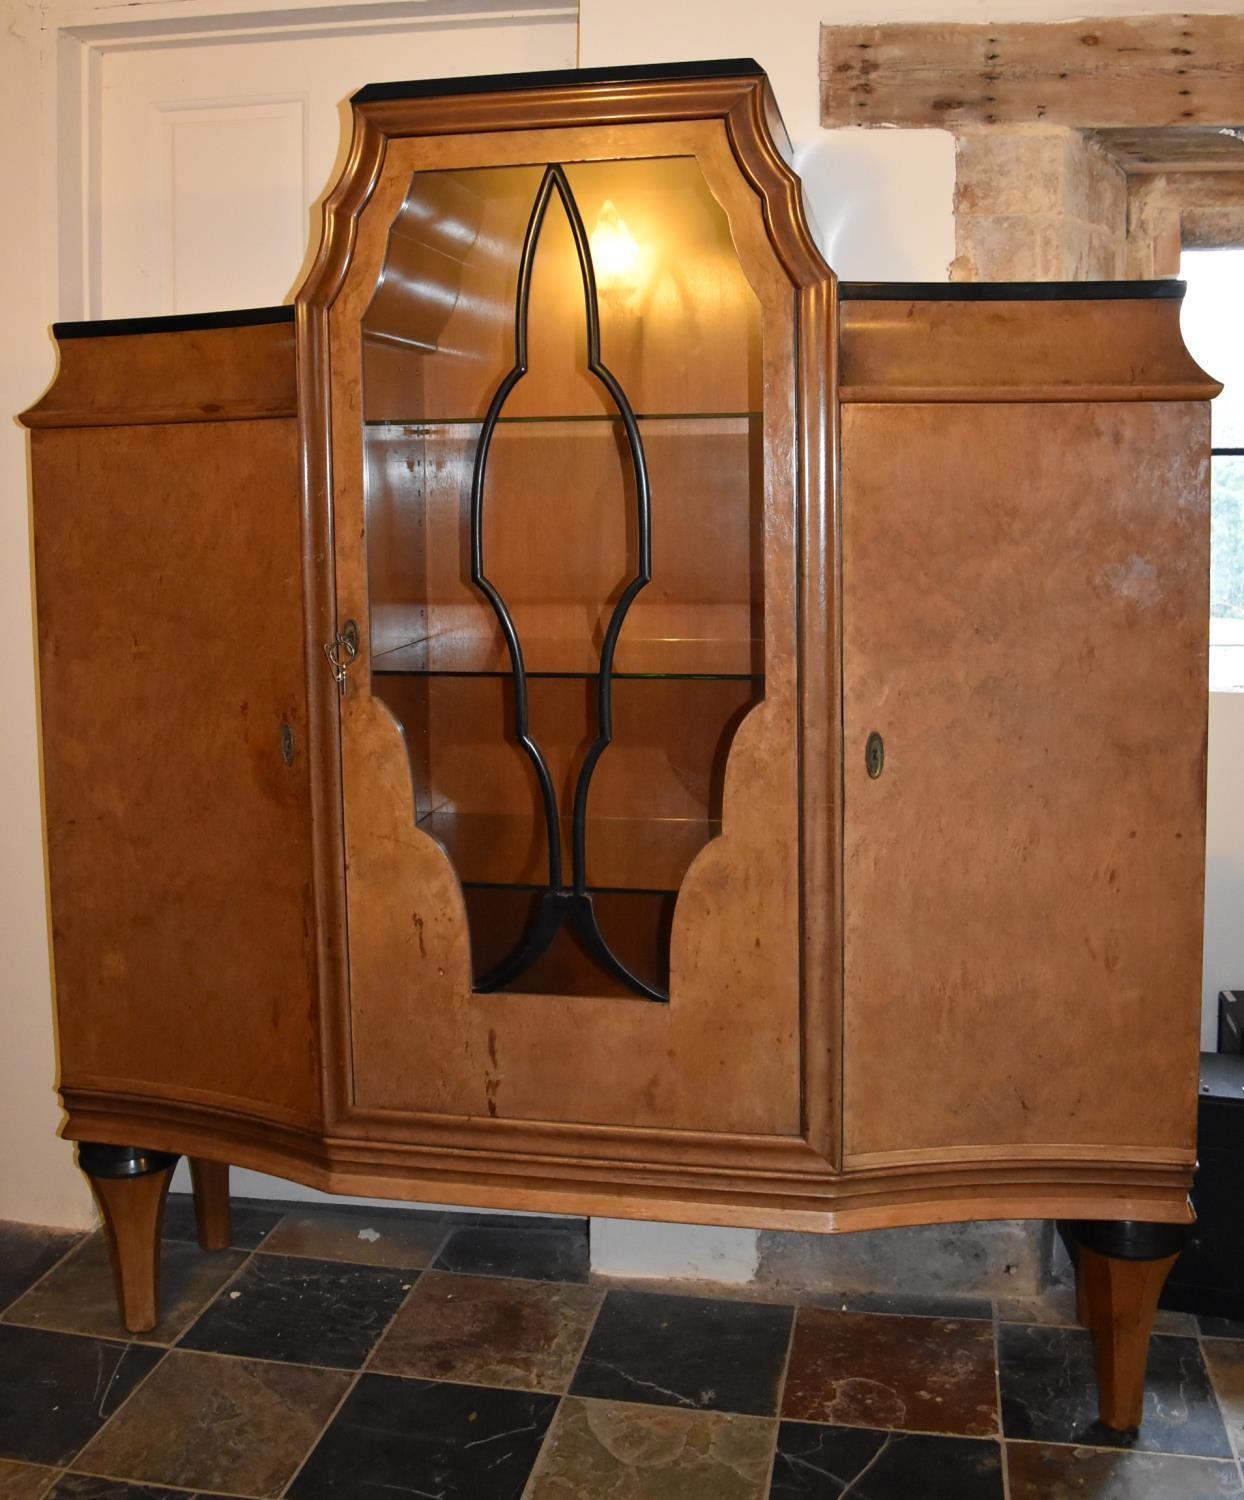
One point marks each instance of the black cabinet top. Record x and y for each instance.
(497, 83)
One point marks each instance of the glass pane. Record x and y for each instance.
(563, 456)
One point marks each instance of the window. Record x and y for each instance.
(1213, 326)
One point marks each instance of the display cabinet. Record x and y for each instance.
(584, 713)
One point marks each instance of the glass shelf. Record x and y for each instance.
(602, 419)
(507, 850)
(682, 659)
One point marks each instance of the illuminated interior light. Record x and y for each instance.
(616, 255)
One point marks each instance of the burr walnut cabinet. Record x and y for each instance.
(584, 712)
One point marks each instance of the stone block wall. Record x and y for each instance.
(1037, 203)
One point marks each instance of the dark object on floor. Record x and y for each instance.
(1209, 1276)
(1231, 1021)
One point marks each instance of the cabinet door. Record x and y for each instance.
(1025, 606)
(169, 571)
(563, 431)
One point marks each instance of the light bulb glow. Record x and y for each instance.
(616, 255)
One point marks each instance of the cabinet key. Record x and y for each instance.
(341, 652)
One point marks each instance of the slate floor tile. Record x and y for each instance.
(1041, 1471)
(310, 1312)
(26, 1252)
(79, 1295)
(249, 1222)
(201, 1422)
(88, 1487)
(59, 1390)
(612, 1450)
(918, 1374)
(417, 1437)
(487, 1330)
(686, 1351)
(1225, 1361)
(24, 1481)
(815, 1462)
(530, 1254)
(1049, 1394)
(1221, 1328)
(401, 1241)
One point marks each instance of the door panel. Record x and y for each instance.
(176, 760)
(1024, 593)
(213, 152)
(691, 824)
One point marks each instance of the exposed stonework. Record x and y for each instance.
(1195, 210)
(1037, 203)
(1004, 1258)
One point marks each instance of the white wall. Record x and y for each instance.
(38, 1181)
(883, 200)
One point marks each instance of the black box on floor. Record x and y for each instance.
(1231, 1020)
(1208, 1277)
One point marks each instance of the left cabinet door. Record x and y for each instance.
(169, 569)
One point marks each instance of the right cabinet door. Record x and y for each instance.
(1025, 607)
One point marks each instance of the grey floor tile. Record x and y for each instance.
(79, 1295)
(1049, 1394)
(310, 1312)
(60, 1388)
(1041, 1471)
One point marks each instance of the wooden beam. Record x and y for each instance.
(1185, 190)
(1199, 148)
(1119, 71)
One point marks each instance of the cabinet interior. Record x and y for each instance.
(491, 445)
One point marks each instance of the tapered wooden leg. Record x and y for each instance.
(1120, 1271)
(130, 1186)
(211, 1202)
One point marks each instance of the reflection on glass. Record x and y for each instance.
(563, 479)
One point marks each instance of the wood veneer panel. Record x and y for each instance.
(943, 350)
(204, 375)
(749, 1181)
(1025, 598)
(170, 627)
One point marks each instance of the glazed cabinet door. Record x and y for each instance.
(565, 500)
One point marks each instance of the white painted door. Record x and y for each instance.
(212, 153)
